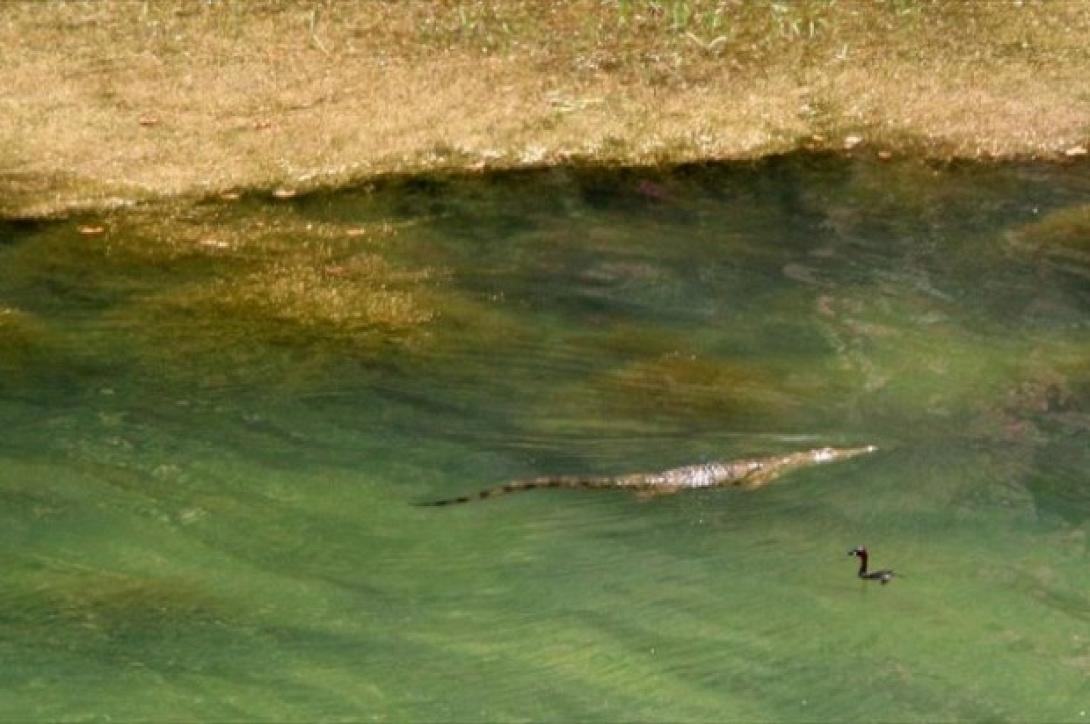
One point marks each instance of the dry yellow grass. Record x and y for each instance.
(108, 102)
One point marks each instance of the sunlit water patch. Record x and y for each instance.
(218, 421)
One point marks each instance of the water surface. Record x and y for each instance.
(217, 421)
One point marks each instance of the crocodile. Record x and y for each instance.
(747, 473)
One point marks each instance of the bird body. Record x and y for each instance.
(883, 576)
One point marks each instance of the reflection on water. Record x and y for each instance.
(217, 418)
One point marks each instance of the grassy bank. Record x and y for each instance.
(108, 102)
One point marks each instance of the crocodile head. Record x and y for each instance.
(833, 454)
(770, 468)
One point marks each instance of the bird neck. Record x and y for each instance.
(862, 563)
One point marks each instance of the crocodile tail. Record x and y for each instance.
(518, 486)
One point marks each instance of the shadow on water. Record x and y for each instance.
(217, 417)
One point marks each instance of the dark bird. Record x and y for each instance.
(885, 575)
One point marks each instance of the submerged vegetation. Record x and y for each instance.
(228, 290)
(26, 345)
(1067, 228)
(282, 269)
(290, 285)
(77, 609)
(696, 389)
(144, 99)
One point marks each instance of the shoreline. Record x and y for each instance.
(51, 207)
(113, 104)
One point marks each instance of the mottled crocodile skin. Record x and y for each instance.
(747, 473)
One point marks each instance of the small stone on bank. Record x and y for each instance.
(1075, 151)
(283, 193)
(88, 230)
(851, 142)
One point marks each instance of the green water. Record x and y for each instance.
(217, 419)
